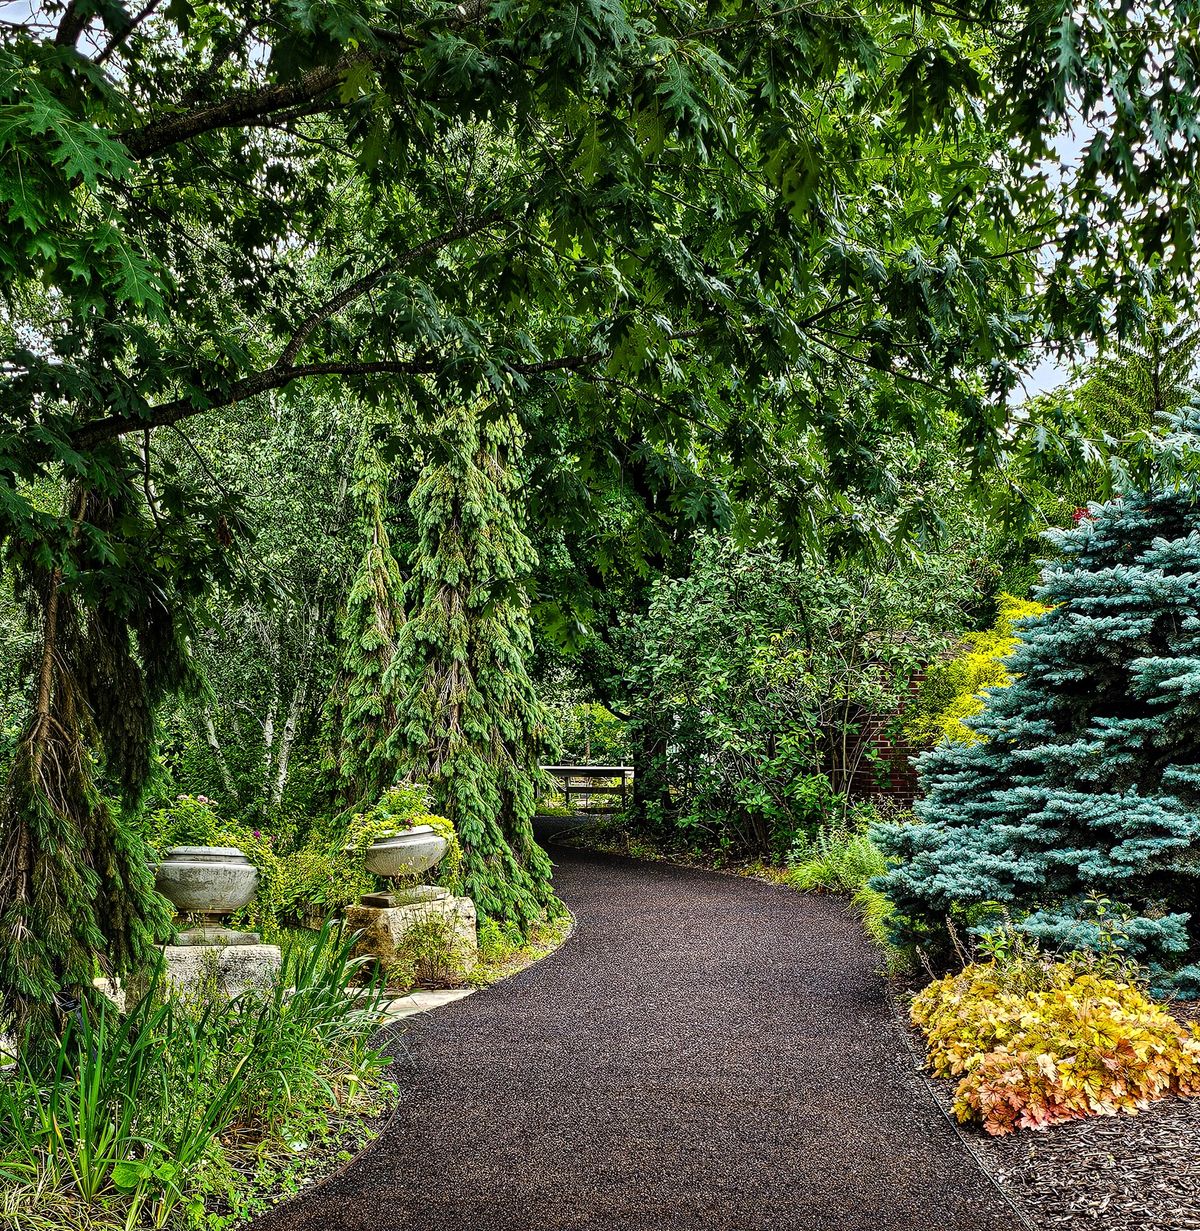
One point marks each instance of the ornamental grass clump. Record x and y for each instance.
(1042, 1043)
(188, 1105)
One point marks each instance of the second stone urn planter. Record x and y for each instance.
(213, 881)
(407, 853)
(206, 880)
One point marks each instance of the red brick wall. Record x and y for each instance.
(900, 781)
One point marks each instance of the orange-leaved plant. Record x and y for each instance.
(1048, 1043)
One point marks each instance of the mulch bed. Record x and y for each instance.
(1119, 1173)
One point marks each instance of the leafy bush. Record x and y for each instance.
(1040, 1042)
(553, 810)
(955, 690)
(317, 880)
(498, 941)
(190, 820)
(752, 681)
(593, 735)
(136, 1119)
(431, 954)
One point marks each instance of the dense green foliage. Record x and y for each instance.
(468, 721)
(749, 680)
(955, 688)
(1084, 779)
(716, 261)
(362, 709)
(266, 639)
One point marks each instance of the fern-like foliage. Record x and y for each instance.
(360, 715)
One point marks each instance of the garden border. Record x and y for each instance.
(918, 1065)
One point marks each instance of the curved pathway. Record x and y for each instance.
(703, 1052)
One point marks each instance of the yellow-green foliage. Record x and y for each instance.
(954, 691)
(1043, 1043)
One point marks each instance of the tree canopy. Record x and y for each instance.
(674, 221)
(721, 262)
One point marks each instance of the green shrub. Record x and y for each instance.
(559, 810)
(134, 1121)
(810, 807)
(433, 954)
(498, 941)
(190, 820)
(593, 735)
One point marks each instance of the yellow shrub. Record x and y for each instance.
(954, 690)
(1036, 1051)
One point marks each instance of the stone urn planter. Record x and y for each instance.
(406, 854)
(206, 880)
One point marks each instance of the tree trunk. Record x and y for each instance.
(268, 729)
(295, 709)
(210, 737)
(286, 739)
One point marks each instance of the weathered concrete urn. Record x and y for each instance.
(406, 854)
(206, 880)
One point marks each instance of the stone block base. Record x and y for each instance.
(384, 929)
(112, 991)
(406, 897)
(233, 968)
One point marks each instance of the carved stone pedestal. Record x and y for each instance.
(384, 924)
(235, 961)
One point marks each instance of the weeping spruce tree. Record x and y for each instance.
(469, 723)
(76, 892)
(361, 712)
(1084, 791)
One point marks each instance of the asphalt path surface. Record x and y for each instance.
(704, 1051)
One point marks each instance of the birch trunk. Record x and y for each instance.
(214, 744)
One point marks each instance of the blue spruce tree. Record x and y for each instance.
(1086, 783)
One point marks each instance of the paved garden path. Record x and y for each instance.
(703, 1052)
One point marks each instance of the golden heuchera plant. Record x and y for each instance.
(1039, 1049)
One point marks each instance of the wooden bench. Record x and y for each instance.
(588, 780)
